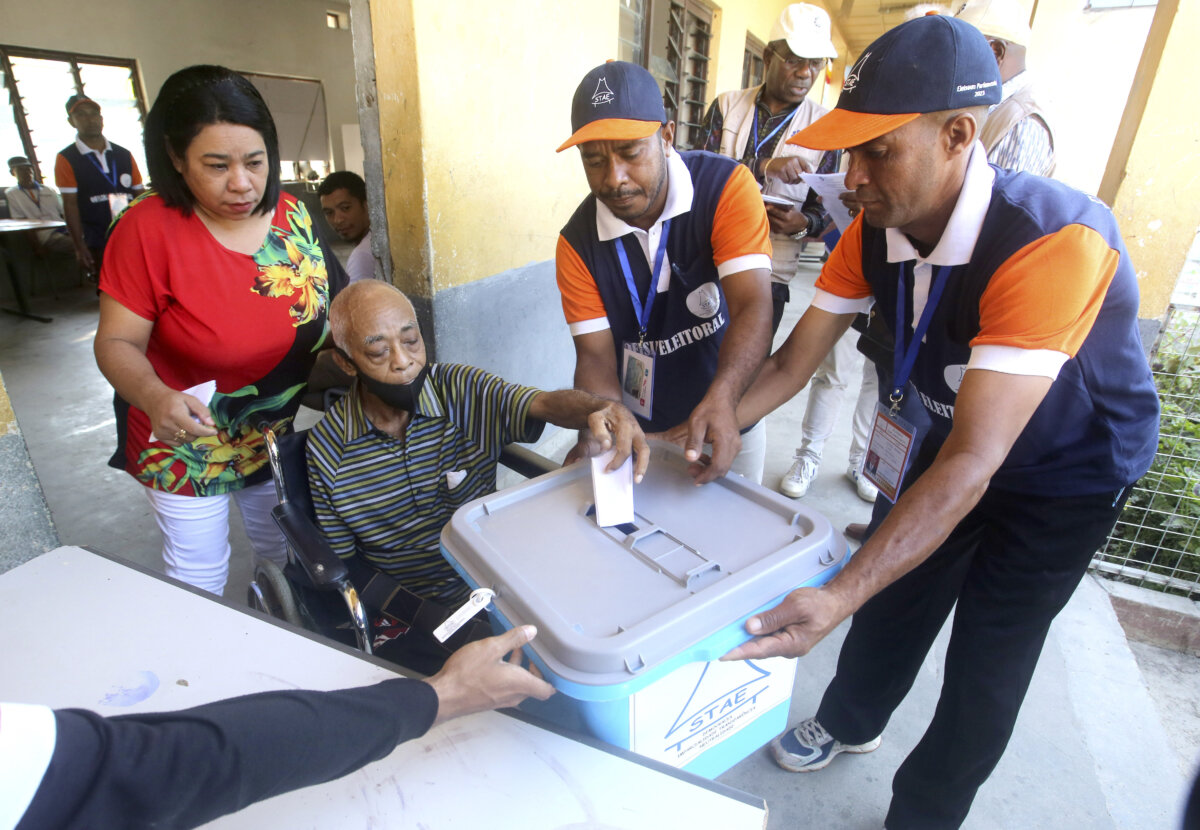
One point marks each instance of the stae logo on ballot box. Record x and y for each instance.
(697, 706)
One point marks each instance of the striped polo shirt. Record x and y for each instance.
(388, 499)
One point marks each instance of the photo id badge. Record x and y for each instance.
(888, 449)
(637, 381)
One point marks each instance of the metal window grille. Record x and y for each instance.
(631, 37)
(1156, 541)
(752, 62)
(689, 39)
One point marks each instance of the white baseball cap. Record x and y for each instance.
(806, 29)
(1003, 19)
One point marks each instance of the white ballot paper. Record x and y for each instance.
(829, 186)
(613, 491)
(203, 391)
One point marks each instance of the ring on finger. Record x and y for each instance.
(182, 435)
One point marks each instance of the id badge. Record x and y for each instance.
(637, 381)
(117, 202)
(888, 448)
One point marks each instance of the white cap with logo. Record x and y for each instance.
(1003, 19)
(806, 29)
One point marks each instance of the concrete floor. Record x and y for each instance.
(1101, 743)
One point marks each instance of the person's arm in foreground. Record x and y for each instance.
(990, 412)
(714, 420)
(182, 769)
(595, 374)
(609, 423)
(120, 348)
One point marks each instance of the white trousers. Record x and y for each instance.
(751, 459)
(195, 532)
(843, 364)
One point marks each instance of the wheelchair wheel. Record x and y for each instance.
(271, 592)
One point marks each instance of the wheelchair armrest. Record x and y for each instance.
(324, 567)
(525, 461)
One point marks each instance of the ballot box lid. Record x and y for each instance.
(618, 606)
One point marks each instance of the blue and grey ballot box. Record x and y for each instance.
(631, 619)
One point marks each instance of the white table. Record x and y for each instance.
(14, 226)
(80, 629)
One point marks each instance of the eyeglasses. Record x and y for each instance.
(793, 63)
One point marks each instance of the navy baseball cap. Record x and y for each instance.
(75, 100)
(616, 101)
(930, 64)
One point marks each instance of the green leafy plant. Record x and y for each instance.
(1158, 533)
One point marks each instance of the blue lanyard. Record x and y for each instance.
(754, 129)
(111, 175)
(643, 311)
(904, 358)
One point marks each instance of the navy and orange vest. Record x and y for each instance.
(1097, 428)
(688, 320)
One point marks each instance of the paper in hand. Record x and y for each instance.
(829, 186)
(203, 391)
(613, 491)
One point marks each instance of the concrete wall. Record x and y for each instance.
(1153, 176)
(1085, 63)
(280, 37)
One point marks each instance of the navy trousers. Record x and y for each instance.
(1010, 566)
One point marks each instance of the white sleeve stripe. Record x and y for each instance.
(27, 737)
(68, 190)
(1012, 360)
(589, 326)
(746, 262)
(841, 305)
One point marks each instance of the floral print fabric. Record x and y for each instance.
(252, 323)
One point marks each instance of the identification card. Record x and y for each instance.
(637, 381)
(888, 449)
(117, 202)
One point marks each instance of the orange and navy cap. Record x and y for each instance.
(929, 64)
(616, 101)
(75, 100)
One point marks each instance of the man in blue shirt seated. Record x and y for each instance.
(390, 463)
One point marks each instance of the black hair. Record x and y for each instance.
(344, 179)
(191, 100)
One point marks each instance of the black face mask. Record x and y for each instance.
(403, 396)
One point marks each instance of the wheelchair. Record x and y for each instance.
(314, 590)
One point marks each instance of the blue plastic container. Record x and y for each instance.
(631, 619)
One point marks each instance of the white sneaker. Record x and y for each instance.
(866, 490)
(799, 477)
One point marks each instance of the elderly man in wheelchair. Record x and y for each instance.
(391, 461)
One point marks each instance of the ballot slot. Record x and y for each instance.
(663, 552)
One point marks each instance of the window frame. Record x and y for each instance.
(8, 52)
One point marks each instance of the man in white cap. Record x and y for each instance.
(1017, 135)
(753, 125)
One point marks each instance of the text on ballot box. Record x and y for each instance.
(631, 618)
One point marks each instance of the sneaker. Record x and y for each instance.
(866, 490)
(809, 747)
(799, 477)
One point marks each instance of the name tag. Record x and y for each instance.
(637, 381)
(888, 448)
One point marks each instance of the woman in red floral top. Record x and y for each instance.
(215, 275)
